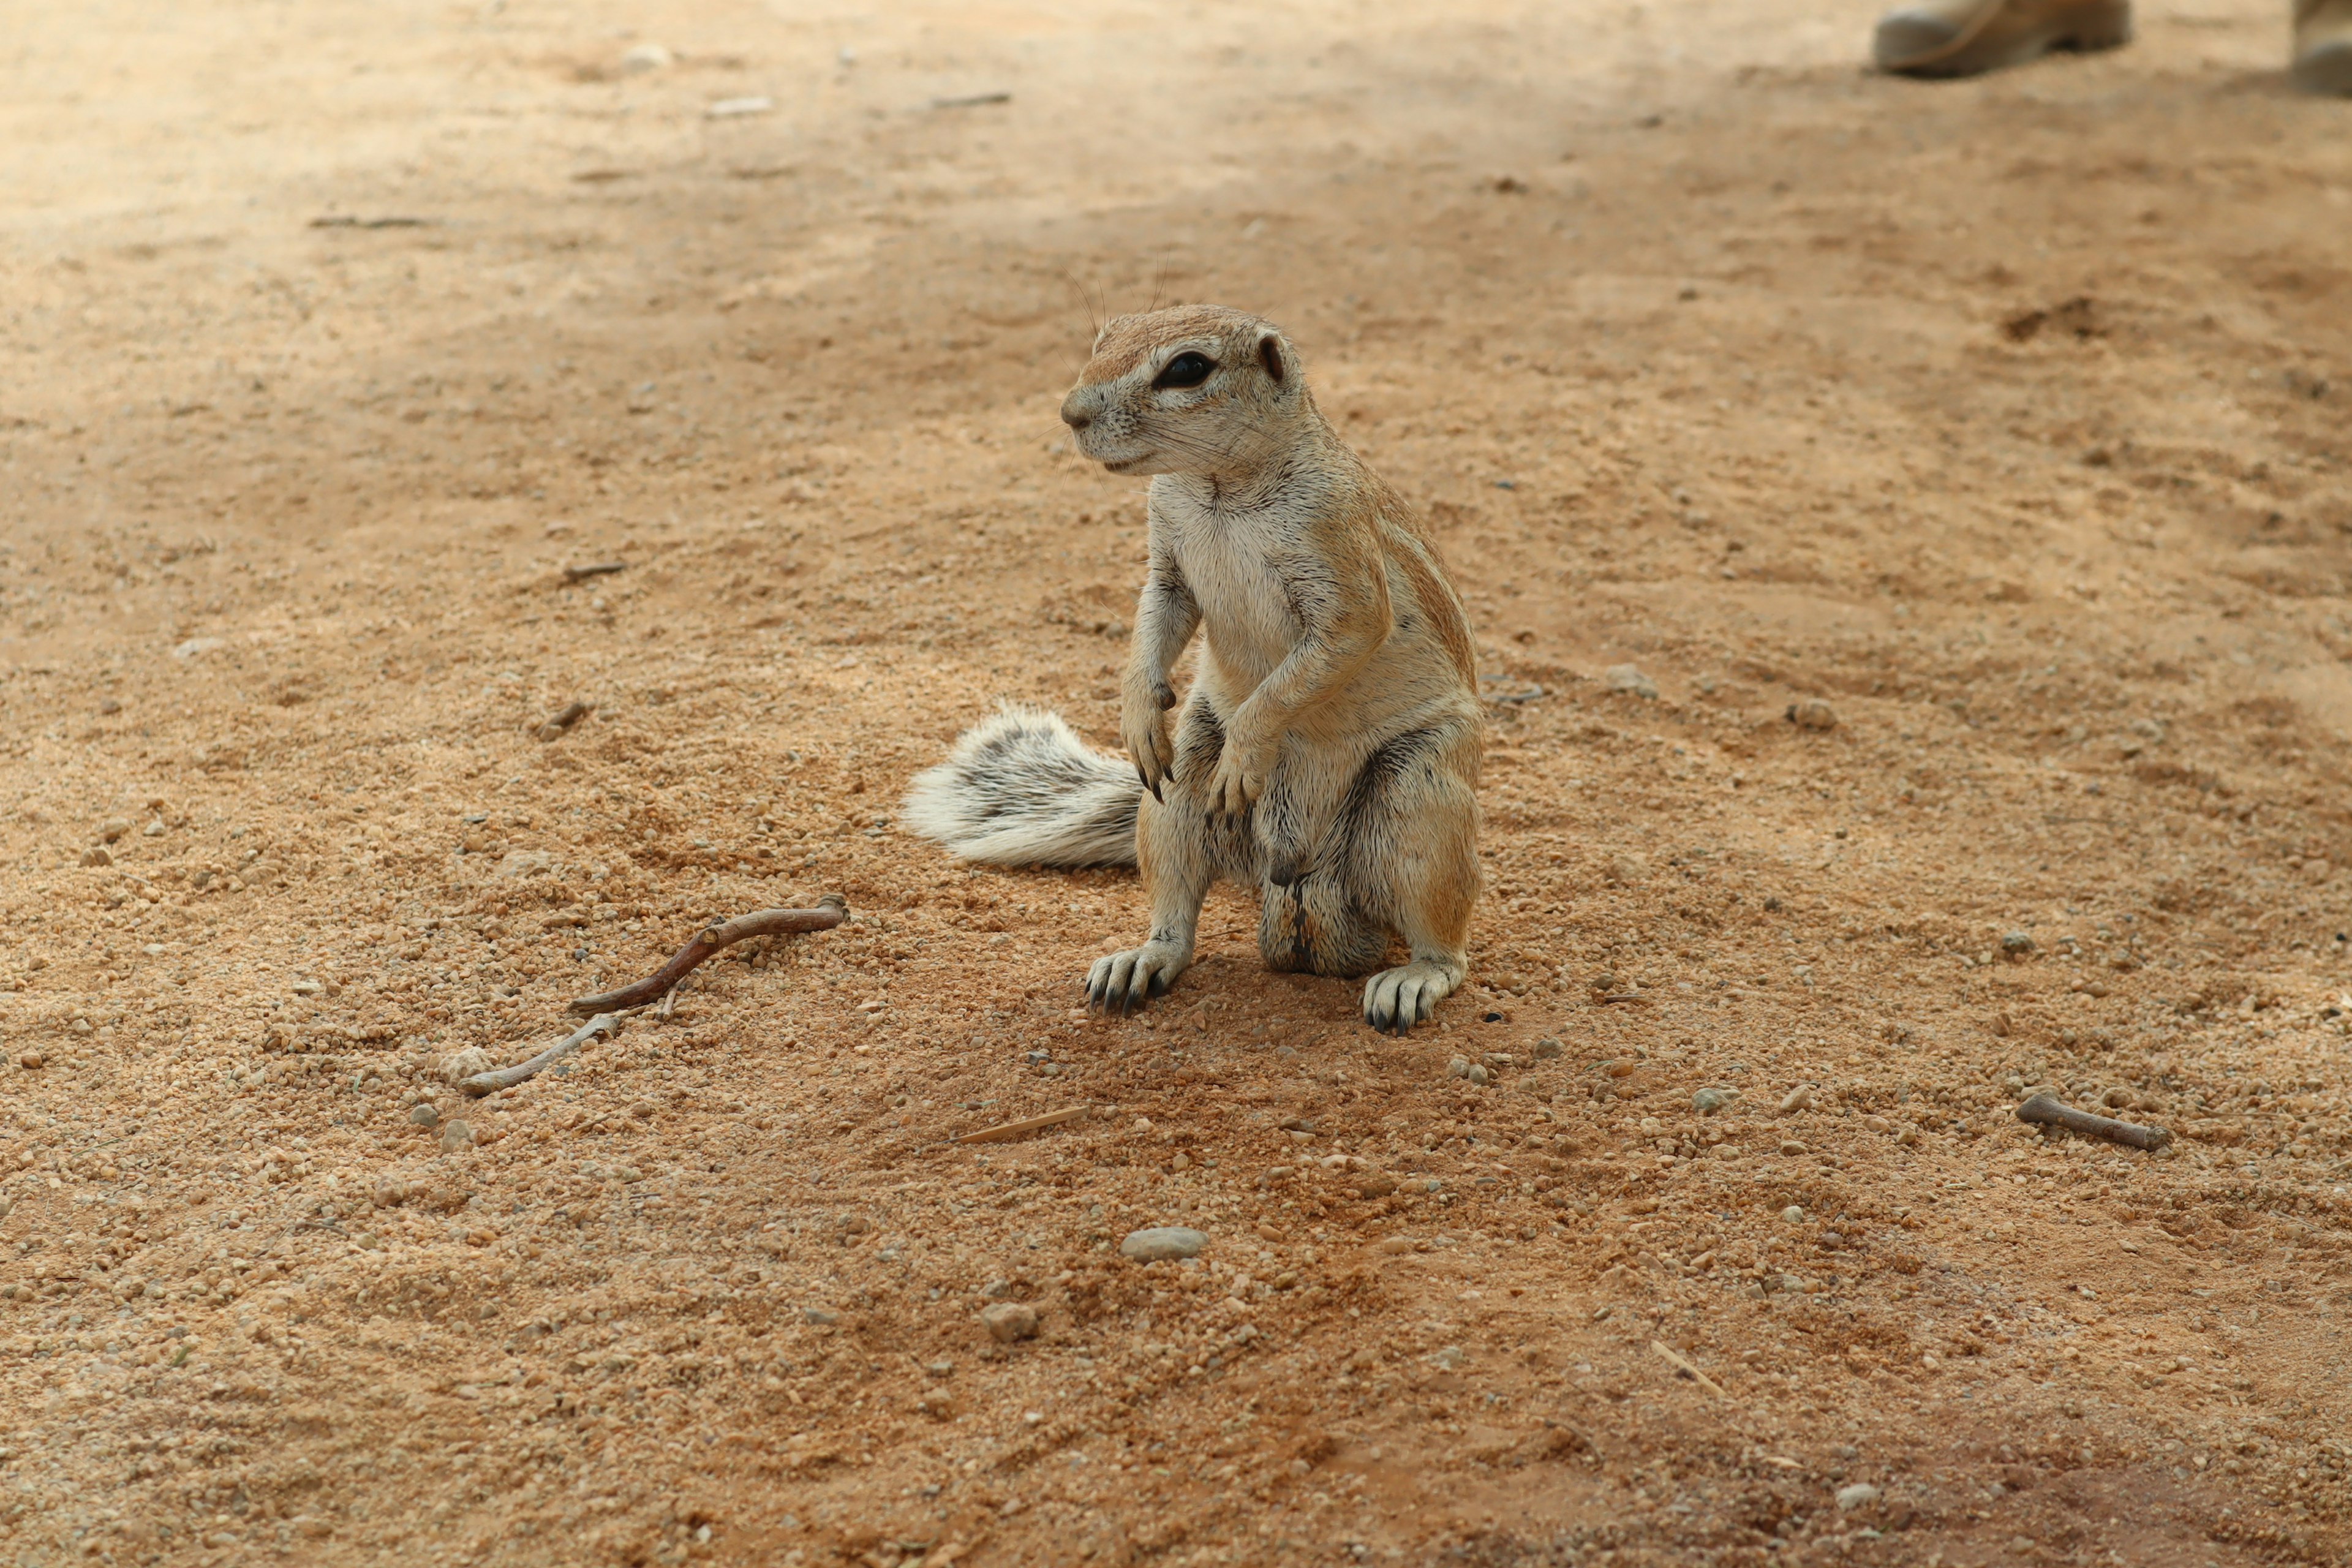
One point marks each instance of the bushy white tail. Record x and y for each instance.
(1022, 789)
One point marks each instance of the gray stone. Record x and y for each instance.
(1793, 1215)
(1812, 713)
(520, 864)
(2016, 943)
(1009, 1320)
(1546, 1049)
(1628, 678)
(1162, 1241)
(424, 1116)
(1707, 1102)
(819, 1316)
(457, 1135)
(1862, 1494)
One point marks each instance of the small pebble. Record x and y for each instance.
(29, 1059)
(425, 1116)
(465, 1064)
(1626, 869)
(2016, 943)
(1793, 1215)
(1796, 1100)
(1546, 1049)
(1628, 678)
(1791, 1147)
(819, 1316)
(1009, 1320)
(113, 827)
(96, 855)
(1163, 1241)
(1862, 1494)
(646, 58)
(457, 1135)
(1812, 713)
(1707, 1102)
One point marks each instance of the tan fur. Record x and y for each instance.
(1329, 744)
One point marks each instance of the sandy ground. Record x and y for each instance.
(1998, 426)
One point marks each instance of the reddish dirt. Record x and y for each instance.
(1963, 469)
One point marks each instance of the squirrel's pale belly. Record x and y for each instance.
(1228, 560)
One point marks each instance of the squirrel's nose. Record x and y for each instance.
(1076, 415)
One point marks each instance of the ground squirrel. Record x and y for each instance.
(1327, 750)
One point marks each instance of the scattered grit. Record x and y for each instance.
(1918, 677)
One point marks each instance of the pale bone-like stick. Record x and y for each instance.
(507, 1078)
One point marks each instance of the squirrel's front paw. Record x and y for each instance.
(1143, 728)
(1147, 745)
(1237, 783)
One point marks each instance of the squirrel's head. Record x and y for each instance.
(1196, 389)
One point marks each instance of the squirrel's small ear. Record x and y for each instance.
(1269, 354)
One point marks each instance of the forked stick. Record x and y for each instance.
(830, 912)
(507, 1078)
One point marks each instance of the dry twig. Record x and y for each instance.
(507, 1078)
(571, 713)
(1015, 1129)
(2049, 1108)
(1683, 1362)
(371, 223)
(594, 569)
(830, 912)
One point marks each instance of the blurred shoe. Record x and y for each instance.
(2322, 47)
(1961, 37)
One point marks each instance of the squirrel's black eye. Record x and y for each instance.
(1186, 370)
